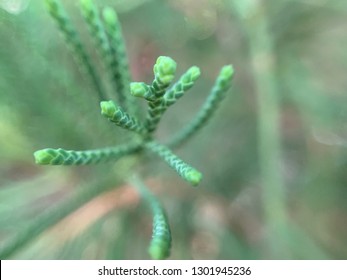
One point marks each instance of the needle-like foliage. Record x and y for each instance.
(160, 245)
(73, 41)
(158, 94)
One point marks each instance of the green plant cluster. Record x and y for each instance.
(123, 110)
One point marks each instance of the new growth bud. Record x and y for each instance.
(165, 69)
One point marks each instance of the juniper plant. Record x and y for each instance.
(122, 109)
(160, 245)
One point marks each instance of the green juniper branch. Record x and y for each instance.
(109, 40)
(116, 115)
(63, 157)
(142, 90)
(97, 31)
(217, 94)
(113, 56)
(164, 71)
(119, 62)
(72, 39)
(185, 82)
(155, 111)
(160, 244)
(158, 106)
(187, 172)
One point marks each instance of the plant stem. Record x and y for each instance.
(117, 115)
(263, 58)
(68, 157)
(221, 86)
(160, 245)
(73, 40)
(119, 60)
(187, 172)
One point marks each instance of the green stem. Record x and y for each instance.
(63, 157)
(221, 86)
(119, 60)
(263, 58)
(159, 107)
(185, 83)
(160, 245)
(73, 40)
(121, 118)
(164, 73)
(187, 172)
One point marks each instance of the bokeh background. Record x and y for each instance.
(274, 157)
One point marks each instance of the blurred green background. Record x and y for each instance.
(274, 156)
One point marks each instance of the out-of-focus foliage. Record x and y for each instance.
(46, 101)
